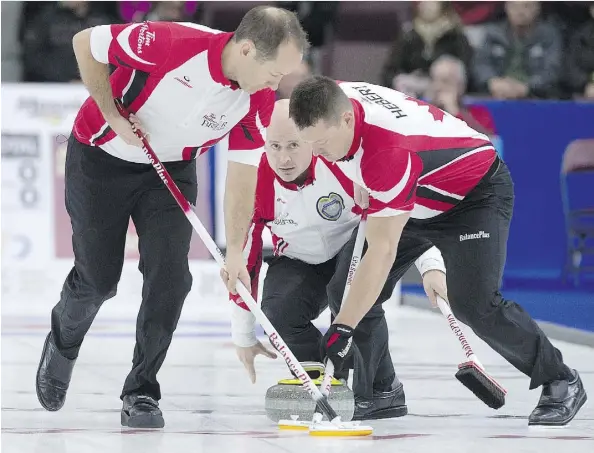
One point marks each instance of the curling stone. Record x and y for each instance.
(288, 398)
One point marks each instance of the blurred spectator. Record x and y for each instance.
(447, 89)
(315, 17)
(580, 60)
(436, 31)
(475, 16)
(290, 81)
(521, 56)
(566, 16)
(47, 47)
(138, 11)
(318, 19)
(472, 13)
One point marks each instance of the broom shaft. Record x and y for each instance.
(355, 260)
(453, 323)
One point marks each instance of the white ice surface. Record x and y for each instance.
(210, 406)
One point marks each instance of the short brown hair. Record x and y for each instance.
(317, 98)
(268, 27)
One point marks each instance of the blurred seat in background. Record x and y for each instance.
(578, 162)
(362, 38)
(226, 16)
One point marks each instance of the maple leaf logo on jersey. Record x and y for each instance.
(438, 115)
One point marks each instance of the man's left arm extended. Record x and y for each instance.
(246, 145)
(240, 190)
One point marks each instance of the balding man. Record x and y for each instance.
(309, 207)
(447, 89)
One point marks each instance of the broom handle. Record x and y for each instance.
(245, 294)
(453, 322)
(355, 260)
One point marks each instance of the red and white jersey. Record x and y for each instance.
(411, 156)
(171, 76)
(310, 223)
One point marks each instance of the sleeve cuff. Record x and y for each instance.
(100, 41)
(248, 157)
(430, 260)
(243, 327)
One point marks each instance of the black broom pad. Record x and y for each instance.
(479, 383)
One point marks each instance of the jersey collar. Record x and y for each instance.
(311, 176)
(359, 119)
(215, 55)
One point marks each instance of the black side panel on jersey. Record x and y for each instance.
(436, 158)
(136, 87)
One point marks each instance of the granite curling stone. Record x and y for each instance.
(288, 398)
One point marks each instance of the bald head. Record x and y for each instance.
(287, 154)
(281, 126)
(268, 27)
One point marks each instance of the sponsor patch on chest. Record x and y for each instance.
(330, 206)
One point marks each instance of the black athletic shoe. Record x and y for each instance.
(559, 402)
(141, 411)
(383, 405)
(53, 376)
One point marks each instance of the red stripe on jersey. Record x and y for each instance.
(147, 48)
(109, 136)
(264, 202)
(461, 176)
(417, 143)
(89, 119)
(276, 242)
(434, 204)
(187, 151)
(246, 135)
(386, 169)
(343, 179)
(254, 262)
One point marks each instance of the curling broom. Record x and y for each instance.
(317, 427)
(472, 374)
(280, 345)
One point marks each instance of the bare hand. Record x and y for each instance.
(125, 129)
(410, 84)
(434, 282)
(235, 269)
(498, 87)
(361, 196)
(518, 89)
(248, 355)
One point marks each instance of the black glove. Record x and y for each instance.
(336, 345)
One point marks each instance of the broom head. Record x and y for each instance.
(475, 379)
